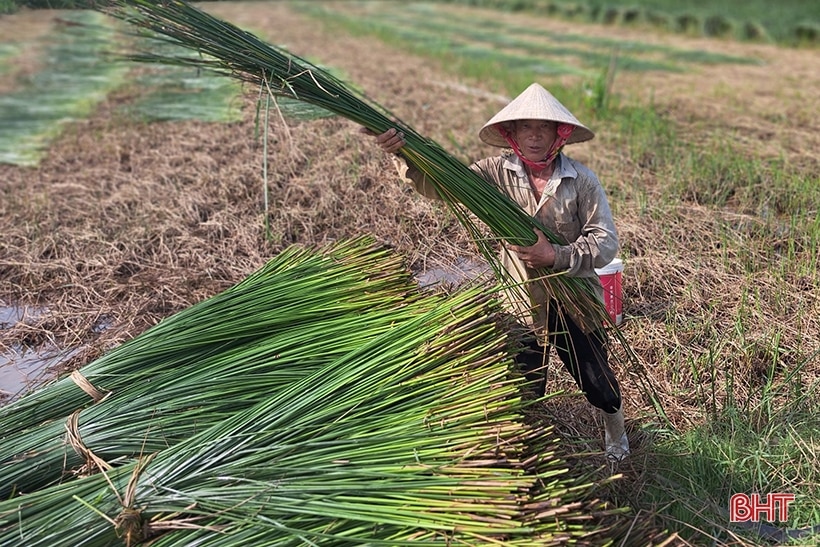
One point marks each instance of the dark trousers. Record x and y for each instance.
(584, 356)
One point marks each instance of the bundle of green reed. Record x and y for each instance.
(407, 430)
(304, 287)
(226, 49)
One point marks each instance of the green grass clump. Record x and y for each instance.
(687, 24)
(755, 32)
(807, 33)
(718, 25)
(7, 6)
(766, 443)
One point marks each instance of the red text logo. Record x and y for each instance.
(743, 508)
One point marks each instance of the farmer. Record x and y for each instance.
(566, 198)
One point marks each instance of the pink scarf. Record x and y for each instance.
(564, 131)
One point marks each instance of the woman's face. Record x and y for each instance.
(534, 137)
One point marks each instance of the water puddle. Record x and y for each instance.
(22, 368)
(463, 270)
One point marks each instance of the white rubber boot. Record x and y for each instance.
(617, 444)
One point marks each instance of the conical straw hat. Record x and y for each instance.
(534, 103)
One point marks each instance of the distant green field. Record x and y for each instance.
(481, 44)
(78, 72)
(790, 22)
(68, 87)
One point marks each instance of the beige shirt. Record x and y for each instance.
(573, 207)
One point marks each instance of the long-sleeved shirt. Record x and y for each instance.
(573, 207)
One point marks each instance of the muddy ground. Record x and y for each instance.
(125, 223)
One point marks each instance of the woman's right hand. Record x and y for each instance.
(391, 141)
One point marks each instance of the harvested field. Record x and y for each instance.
(126, 222)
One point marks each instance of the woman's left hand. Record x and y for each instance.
(539, 255)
